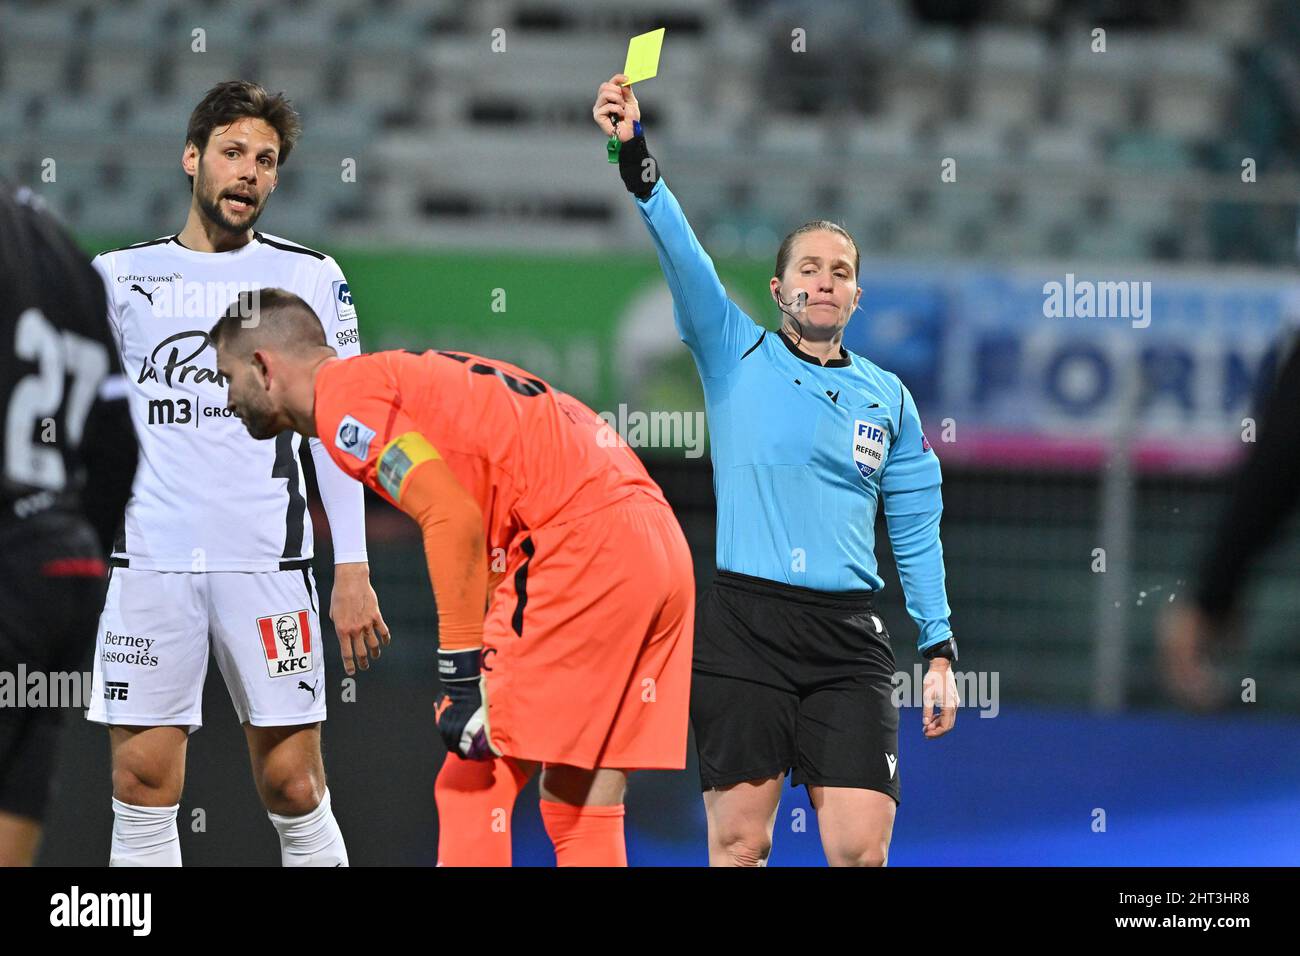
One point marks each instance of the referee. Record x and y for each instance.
(793, 665)
(67, 457)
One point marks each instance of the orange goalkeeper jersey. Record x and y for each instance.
(527, 453)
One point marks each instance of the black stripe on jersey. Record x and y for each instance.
(521, 587)
(139, 245)
(287, 248)
(901, 401)
(311, 591)
(286, 466)
(754, 346)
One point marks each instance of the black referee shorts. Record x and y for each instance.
(51, 592)
(792, 680)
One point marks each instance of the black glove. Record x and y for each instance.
(462, 711)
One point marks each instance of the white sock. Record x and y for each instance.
(144, 836)
(312, 839)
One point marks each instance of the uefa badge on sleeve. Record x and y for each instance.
(286, 642)
(868, 447)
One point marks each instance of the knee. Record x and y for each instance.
(868, 854)
(142, 784)
(747, 849)
(291, 791)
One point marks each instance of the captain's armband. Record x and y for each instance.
(399, 458)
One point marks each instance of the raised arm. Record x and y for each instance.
(713, 327)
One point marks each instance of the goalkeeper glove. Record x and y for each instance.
(462, 711)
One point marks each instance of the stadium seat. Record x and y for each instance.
(34, 66)
(1010, 66)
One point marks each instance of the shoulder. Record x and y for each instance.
(284, 245)
(133, 247)
(370, 375)
(105, 260)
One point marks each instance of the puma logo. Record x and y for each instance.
(147, 295)
(309, 688)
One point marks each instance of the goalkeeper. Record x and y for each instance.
(582, 662)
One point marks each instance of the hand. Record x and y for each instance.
(354, 609)
(1185, 635)
(618, 102)
(462, 711)
(939, 693)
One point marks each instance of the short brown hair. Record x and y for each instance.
(235, 99)
(816, 225)
(262, 317)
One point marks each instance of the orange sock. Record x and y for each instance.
(475, 800)
(585, 836)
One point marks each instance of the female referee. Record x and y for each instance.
(792, 663)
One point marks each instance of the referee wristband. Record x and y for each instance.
(946, 649)
(638, 168)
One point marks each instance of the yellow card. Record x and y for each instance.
(643, 56)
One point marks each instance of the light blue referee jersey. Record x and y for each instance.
(802, 453)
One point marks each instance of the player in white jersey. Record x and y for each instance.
(216, 545)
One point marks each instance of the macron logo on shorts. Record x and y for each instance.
(892, 760)
(354, 437)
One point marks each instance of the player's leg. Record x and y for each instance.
(148, 777)
(744, 736)
(476, 800)
(848, 751)
(744, 710)
(741, 817)
(19, 839)
(266, 639)
(638, 679)
(290, 778)
(151, 656)
(856, 824)
(51, 583)
(582, 811)
(27, 744)
(287, 767)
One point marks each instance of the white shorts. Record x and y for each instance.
(151, 651)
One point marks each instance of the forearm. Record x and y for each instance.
(454, 548)
(345, 506)
(918, 554)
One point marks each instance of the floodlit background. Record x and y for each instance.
(978, 153)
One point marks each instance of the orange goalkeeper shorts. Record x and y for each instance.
(587, 643)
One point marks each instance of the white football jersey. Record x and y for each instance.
(207, 496)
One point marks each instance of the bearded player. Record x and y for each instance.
(581, 664)
(216, 544)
